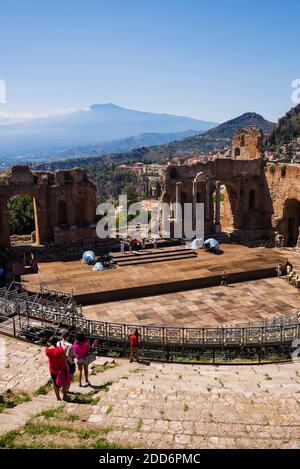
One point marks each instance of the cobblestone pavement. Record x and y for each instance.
(206, 307)
(23, 366)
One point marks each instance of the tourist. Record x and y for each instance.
(143, 244)
(135, 339)
(278, 271)
(289, 267)
(107, 261)
(122, 247)
(82, 350)
(224, 277)
(69, 351)
(155, 243)
(58, 368)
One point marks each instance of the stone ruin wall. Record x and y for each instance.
(261, 199)
(247, 144)
(283, 189)
(64, 204)
(199, 182)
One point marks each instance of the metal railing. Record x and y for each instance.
(18, 312)
(277, 331)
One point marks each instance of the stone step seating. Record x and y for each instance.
(155, 255)
(197, 379)
(12, 419)
(183, 406)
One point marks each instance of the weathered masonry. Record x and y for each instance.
(259, 199)
(64, 204)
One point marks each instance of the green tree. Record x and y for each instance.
(21, 214)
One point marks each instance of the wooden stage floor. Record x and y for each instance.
(136, 281)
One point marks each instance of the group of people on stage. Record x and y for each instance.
(135, 244)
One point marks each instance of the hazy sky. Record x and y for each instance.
(207, 59)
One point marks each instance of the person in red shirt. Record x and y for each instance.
(57, 362)
(135, 339)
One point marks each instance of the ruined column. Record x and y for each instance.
(194, 203)
(218, 207)
(207, 200)
(178, 200)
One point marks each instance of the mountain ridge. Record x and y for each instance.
(98, 124)
(208, 141)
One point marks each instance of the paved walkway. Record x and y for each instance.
(207, 307)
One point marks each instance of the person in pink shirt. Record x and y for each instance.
(82, 351)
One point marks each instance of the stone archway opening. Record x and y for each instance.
(291, 219)
(184, 200)
(228, 207)
(237, 152)
(252, 200)
(22, 219)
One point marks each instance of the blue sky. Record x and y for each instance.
(211, 60)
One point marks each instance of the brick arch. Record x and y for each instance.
(13, 191)
(237, 152)
(231, 205)
(289, 223)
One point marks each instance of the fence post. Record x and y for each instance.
(14, 326)
(168, 353)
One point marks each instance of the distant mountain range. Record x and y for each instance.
(214, 139)
(114, 146)
(99, 123)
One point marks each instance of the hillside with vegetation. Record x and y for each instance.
(287, 129)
